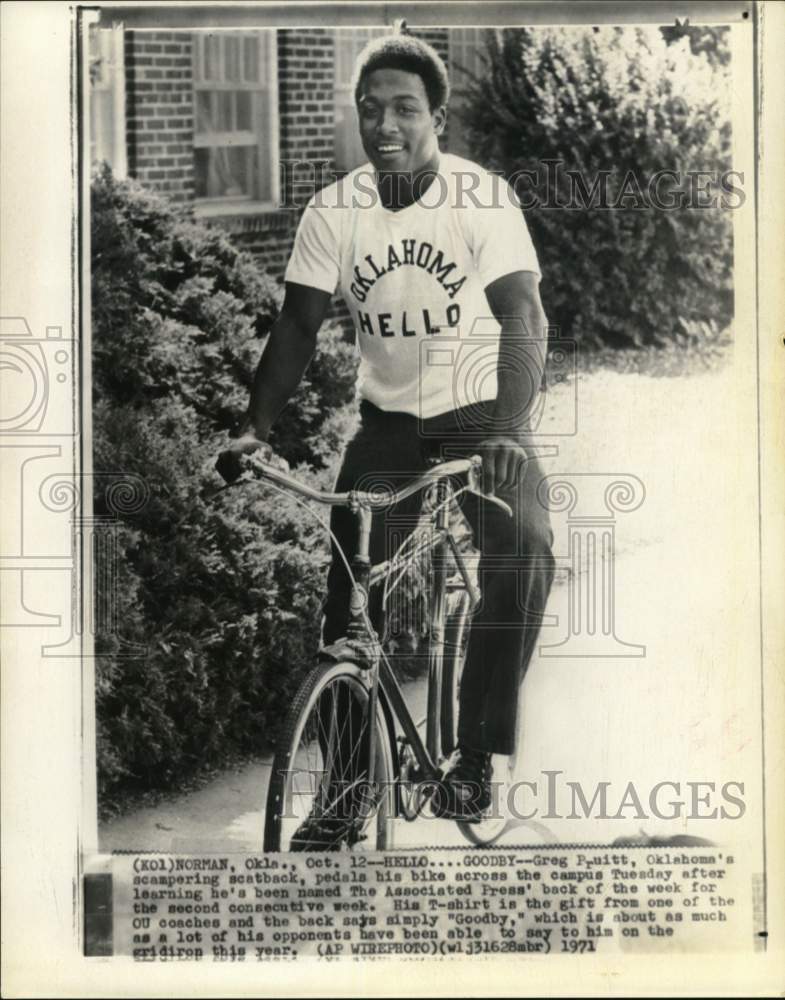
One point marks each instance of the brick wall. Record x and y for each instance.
(159, 111)
(268, 236)
(306, 63)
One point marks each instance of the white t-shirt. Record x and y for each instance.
(414, 281)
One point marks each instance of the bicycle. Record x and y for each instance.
(350, 757)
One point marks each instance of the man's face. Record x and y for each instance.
(397, 127)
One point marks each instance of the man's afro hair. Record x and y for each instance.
(412, 55)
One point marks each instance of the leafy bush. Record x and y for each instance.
(180, 313)
(625, 102)
(222, 594)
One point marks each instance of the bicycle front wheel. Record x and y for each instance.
(321, 795)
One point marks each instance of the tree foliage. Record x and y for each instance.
(560, 110)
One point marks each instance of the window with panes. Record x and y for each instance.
(235, 118)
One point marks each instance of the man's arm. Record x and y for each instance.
(286, 355)
(515, 302)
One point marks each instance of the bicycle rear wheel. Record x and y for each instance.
(321, 796)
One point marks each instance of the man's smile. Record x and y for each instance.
(389, 148)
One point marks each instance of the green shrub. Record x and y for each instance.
(623, 101)
(222, 593)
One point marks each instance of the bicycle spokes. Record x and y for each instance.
(333, 797)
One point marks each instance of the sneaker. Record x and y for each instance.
(465, 791)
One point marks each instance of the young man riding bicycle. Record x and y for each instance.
(436, 265)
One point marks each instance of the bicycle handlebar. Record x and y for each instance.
(378, 500)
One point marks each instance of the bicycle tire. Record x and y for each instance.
(303, 784)
(486, 831)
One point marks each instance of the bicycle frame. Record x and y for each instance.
(361, 644)
(366, 576)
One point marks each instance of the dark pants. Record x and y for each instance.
(516, 564)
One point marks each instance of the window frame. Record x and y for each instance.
(267, 85)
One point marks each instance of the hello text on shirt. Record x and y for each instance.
(406, 253)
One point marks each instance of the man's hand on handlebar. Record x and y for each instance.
(230, 462)
(502, 461)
